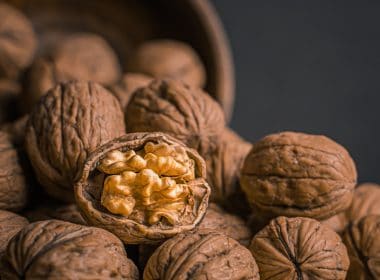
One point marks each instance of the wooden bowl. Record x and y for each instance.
(127, 23)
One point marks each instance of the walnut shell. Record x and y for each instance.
(65, 212)
(59, 250)
(363, 245)
(18, 42)
(89, 188)
(10, 225)
(187, 113)
(296, 174)
(71, 121)
(299, 248)
(79, 57)
(129, 83)
(13, 182)
(169, 59)
(201, 255)
(9, 94)
(365, 202)
(224, 166)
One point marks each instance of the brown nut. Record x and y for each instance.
(169, 59)
(201, 255)
(59, 250)
(188, 114)
(10, 225)
(129, 83)
(363, 245)
(18, 42)
(79, 57)
(224, 166)
(217, 219)
(296, 174)
(9, 94)
(365, 202)
(13, 182)
(71, 121)
(65, 212)
(299, 248)
(143, 187)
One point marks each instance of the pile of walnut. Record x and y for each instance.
(98, 164)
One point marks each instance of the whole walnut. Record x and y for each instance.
(60, 250)
(365, 202)
(143, 187)
(78, 57)
(14, 186)
(10, 225)
(9, 94)
(70, 122)
(202, 254)
(187, 113)
(18, 42)
(224, 166)
(130, 82)
(363, 245)
(58, 211)
(299, 248)
(296, 174)
(169, 59)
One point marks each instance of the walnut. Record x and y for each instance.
(233, 226)
(60, 250)
(299, 248)
(224, 166)
(16, 130)
(143, 187)
(79, 57)
(365, 202)
(169, 59)
(296, 174)
(18, 42)
(169, 106)
(65, 212)
(9, 94)
(71, 121)
(10, 225)
(363, 245)
(130, 82)
(13, 180)
(201, 255)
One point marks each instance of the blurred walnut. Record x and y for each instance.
(9, 94)
(187, 113)
(59, 250)
(10, 225)
(58, 211)
(233, 226)
(17, 42)
(16, 130)
(224, 166)
(71, 121)
(124, 88)
(169, 59)
(143, 187)
(79, 57)
(201, 255)
(13, 183)
(365, 202)
(299, 248)
(296, 174)
(362, 239)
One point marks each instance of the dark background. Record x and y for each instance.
(310, 66)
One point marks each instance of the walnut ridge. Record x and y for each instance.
(10, 225)
(296, 174)
(155, 207)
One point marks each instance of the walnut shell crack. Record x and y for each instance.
(135, 229)
(71, 121)
(296, 174)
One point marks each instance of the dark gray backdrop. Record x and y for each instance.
(309, 66)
